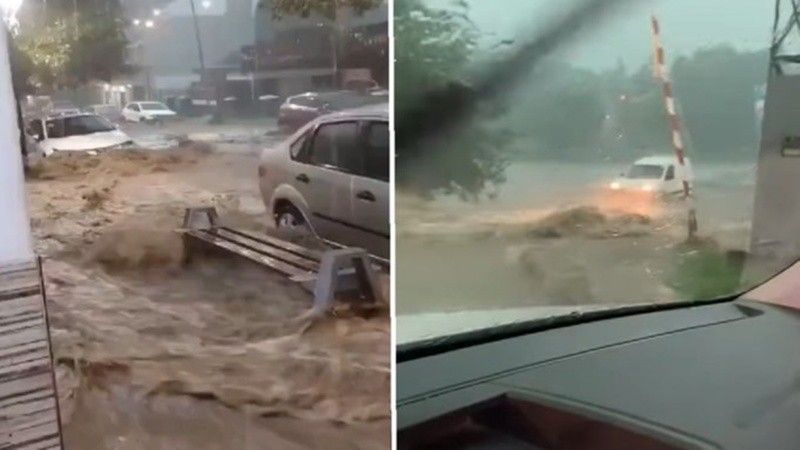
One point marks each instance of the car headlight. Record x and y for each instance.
(647, 188)
(615, 186)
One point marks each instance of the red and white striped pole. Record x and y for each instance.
(660, 68)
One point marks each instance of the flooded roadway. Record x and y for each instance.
(152, 354)
(550, 239)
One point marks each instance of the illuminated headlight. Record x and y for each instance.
(647, 188)
(615, 186)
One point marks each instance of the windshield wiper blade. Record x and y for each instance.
(454, 342)
(439, 110)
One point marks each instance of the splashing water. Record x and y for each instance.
(9, 10)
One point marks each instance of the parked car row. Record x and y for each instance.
(294, 112)
(140, 111)
(330, 178)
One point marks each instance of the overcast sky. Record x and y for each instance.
(687, 25)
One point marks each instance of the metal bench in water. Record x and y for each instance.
(325, 273)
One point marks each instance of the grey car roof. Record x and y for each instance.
(69, 115)
(379, 110)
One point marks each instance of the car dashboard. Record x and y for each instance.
(715, 376)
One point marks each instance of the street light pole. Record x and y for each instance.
(199, 41)
(336, 43)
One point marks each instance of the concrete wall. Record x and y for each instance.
(776, 213)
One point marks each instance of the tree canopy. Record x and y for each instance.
(71, 47)
(562, 112)
(433, 47)
(325, 8)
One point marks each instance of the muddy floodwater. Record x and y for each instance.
(555, 236)
(152, 354)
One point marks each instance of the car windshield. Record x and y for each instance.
(645, 172)
(153, 106)
(77, 126)
(511, 211)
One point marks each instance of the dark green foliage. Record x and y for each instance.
(73, 47)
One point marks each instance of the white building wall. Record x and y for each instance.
(15, 232)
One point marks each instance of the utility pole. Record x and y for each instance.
(336, 42)
(660, 68)
(199, 41)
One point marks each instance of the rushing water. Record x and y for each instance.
(217, 354)
(449, 258)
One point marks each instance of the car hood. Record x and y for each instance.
(429, 327)
(94, 141)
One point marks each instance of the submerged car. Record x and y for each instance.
(661, 175)
(79, 132)
(148, 112)
(332, 178)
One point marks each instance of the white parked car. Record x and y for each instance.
(658, 174)
(149, 112)
(78, 132)
(331, 177)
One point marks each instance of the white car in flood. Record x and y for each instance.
(661, 175)
(79, 132)
(147, 112)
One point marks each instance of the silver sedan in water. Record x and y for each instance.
(331, 177)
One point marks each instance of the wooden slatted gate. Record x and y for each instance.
(29, 416)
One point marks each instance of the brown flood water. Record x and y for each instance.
(594, 250)
(217, 354)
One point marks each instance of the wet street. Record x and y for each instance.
(548, 238)
(142, 341)
(236, 134)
